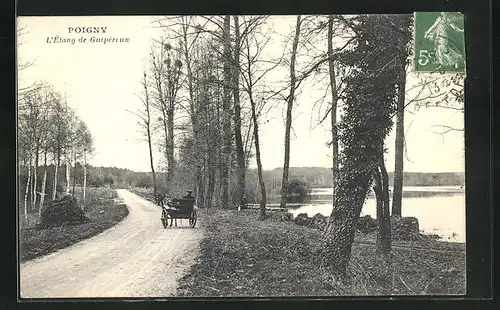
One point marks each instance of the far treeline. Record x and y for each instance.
(312, 177)
(319, 177)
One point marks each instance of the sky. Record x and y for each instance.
(101, 82)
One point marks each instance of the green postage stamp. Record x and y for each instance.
(439, 42)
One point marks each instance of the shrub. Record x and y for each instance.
(63, 211)
(405, 228)
(302, 219)
(319, 221)
(367, 224)
(297, 191)
(279, 216)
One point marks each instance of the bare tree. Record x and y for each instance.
(70, 119)
(333, 111)
(187, 49)
(434, 90)
(397, 198)
(84, 147)
(290, 101)
(34, 111)
(60, 137)
(254, 68)
(226, 119)
(240, 189)
(22, 63)
(166, 72)
(144, 114)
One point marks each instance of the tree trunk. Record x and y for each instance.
(194, 121)
(240, 155)
(211, 173)
(200, 196)
(74, 173)
(44, 182)
(386, 216)
(383, 217)
(28, 183)
(68, 174)
(84, 177)
(368, 108)
(170, 145)
(290, 100)
(56, 177)
(259, 164)
(397, 195)
(333, 112)
(151, 162)
(210, 187)
(226, 120)
(339, 234)
(35, 174)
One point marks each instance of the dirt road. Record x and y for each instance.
(135, 258)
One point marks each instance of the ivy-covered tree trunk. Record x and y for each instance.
(339, 233)
(369, 99)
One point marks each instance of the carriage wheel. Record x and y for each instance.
(192, 219)
(164, 218)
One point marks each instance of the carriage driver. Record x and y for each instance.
(189, 195)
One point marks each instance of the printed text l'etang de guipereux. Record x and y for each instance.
(84, 38)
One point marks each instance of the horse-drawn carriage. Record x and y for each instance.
(178, 208)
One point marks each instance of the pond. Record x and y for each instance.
(440, 210)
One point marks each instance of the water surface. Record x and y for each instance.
(442, 213)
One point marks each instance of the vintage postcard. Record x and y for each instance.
(255, 156)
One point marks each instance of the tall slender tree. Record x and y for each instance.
(226, 109)
(187, 47)
(166, 72)
(59, 138)
(240, 188)
(145, 122)
(290, 101)
(334, 94)
(397, 198)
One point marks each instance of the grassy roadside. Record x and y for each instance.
(146, 193)
(102, 212)
(242, 256)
